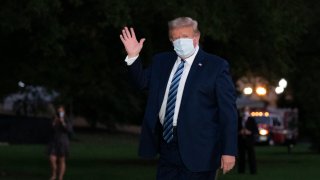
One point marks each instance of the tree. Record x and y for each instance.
(306, 76)
(73, 46)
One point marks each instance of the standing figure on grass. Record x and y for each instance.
(247, 133)
(191, 116)
(58, 147)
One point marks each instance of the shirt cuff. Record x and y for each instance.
(130, 61)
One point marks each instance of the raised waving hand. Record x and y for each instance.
(130, 42)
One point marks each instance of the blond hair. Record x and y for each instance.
(183, 22)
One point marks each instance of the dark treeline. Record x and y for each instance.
(73, 47)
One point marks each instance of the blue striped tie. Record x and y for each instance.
(171, 103)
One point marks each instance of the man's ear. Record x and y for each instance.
(197, 39)
(198, 36)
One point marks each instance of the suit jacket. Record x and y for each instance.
(207, 120)
(252, 126)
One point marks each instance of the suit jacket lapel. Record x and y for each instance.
(196, 67)
(165, 74)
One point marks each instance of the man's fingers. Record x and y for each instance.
(227, 163)
(127, 32)
(142, 41)
(132, 33)
(122, 39)
(132, 46)
(227, 167)
(124, 34)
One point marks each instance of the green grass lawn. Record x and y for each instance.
(105, 156)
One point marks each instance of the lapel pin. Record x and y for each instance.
(200, 64)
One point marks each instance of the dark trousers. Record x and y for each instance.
(171, 167)
(246, 147)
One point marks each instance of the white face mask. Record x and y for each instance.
(61, 114)
(184, 47)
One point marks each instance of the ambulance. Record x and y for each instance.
(276, 126)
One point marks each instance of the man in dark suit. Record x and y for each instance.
(191, 117)
(247, 132)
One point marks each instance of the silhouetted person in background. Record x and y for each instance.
(58, 148)
(247, 131)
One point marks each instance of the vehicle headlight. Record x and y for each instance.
(263, 132)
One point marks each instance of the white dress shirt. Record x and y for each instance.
(187, 66)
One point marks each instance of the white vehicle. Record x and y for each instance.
(277, 126)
